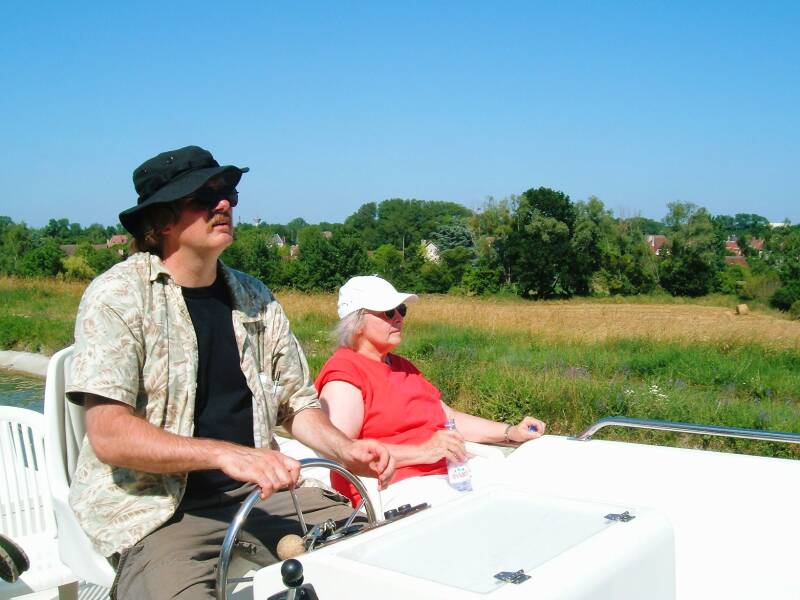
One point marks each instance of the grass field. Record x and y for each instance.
(568, 362)
(37, 315)
(573, 362)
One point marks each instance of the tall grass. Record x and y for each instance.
(511, 358)
(37, 315)
(568, 362)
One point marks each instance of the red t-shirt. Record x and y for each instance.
(400, 407)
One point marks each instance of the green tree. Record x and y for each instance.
(452, 235)
(43, 261)
(625, 263)
(679, 214)
(387, 261)
(593, 237)
(782, 253)
(77, 268)
(326, 264)
(539, 244)
(99, 260)
(403, 223)
(491, 227)
(695, 253)
(16, 240)
(646, 226)
(351, 256)
(94, 234)
(364, 221)
(57, 229)
(254, 253)
(293, 228)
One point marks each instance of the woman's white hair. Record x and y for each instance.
(347, 329)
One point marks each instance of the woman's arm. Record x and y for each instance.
(344, 405)
(478, 429)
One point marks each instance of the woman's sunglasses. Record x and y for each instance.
(402, 309)
(208, 198)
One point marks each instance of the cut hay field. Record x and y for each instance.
(567, 362)
(585, 321)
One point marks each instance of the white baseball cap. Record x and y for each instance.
(370, 292)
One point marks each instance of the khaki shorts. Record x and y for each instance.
(179, 559)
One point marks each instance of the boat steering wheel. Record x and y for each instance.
(247, 506)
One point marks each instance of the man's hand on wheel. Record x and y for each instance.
(268, 469)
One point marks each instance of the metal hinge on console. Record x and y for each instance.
(622, 518)
(515, 577)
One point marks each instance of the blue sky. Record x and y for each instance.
(336, 104)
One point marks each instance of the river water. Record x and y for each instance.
(21, 390)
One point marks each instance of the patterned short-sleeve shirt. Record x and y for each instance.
(135, 343)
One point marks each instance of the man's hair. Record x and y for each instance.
(347, 329)
(153, 220)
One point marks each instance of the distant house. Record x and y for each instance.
(430, 251)
(327, 234)
(736, 260)
(656, 242)
(736, 256)
(276, 240)
(294, 250)
(732, 246)
(116, 240)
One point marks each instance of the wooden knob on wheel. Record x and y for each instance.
(289, 546)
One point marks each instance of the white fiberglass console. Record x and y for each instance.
(551, 548)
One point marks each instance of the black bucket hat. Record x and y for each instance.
(173, 175)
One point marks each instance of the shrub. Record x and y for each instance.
(759, 286)
(794, 309)
(77, 268)
(784, 297)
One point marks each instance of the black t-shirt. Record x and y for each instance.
(223, 404)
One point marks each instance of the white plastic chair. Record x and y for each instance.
(26, 510)
(65, 431)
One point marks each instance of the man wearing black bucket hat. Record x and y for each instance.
(185, 366)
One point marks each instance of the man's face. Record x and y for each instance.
(203, 228)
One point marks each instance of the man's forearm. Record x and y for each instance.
(120, 438)
(312, 427)
(363, 457)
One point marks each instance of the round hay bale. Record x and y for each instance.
(742, 309)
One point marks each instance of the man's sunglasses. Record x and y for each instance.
(402, 309)
(208, 198)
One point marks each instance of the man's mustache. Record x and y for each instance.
(219, 218)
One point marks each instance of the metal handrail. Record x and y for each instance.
(749, 434)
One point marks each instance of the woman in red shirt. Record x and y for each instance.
(369, 392)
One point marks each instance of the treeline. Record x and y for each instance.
(31, 252)
(539, 244)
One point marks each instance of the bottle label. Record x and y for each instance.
(458, 474)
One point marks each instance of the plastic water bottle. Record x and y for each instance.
(458, 472)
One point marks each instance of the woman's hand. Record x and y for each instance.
(528, 429)
(444, 443)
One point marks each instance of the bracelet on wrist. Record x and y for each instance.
(506, 439)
